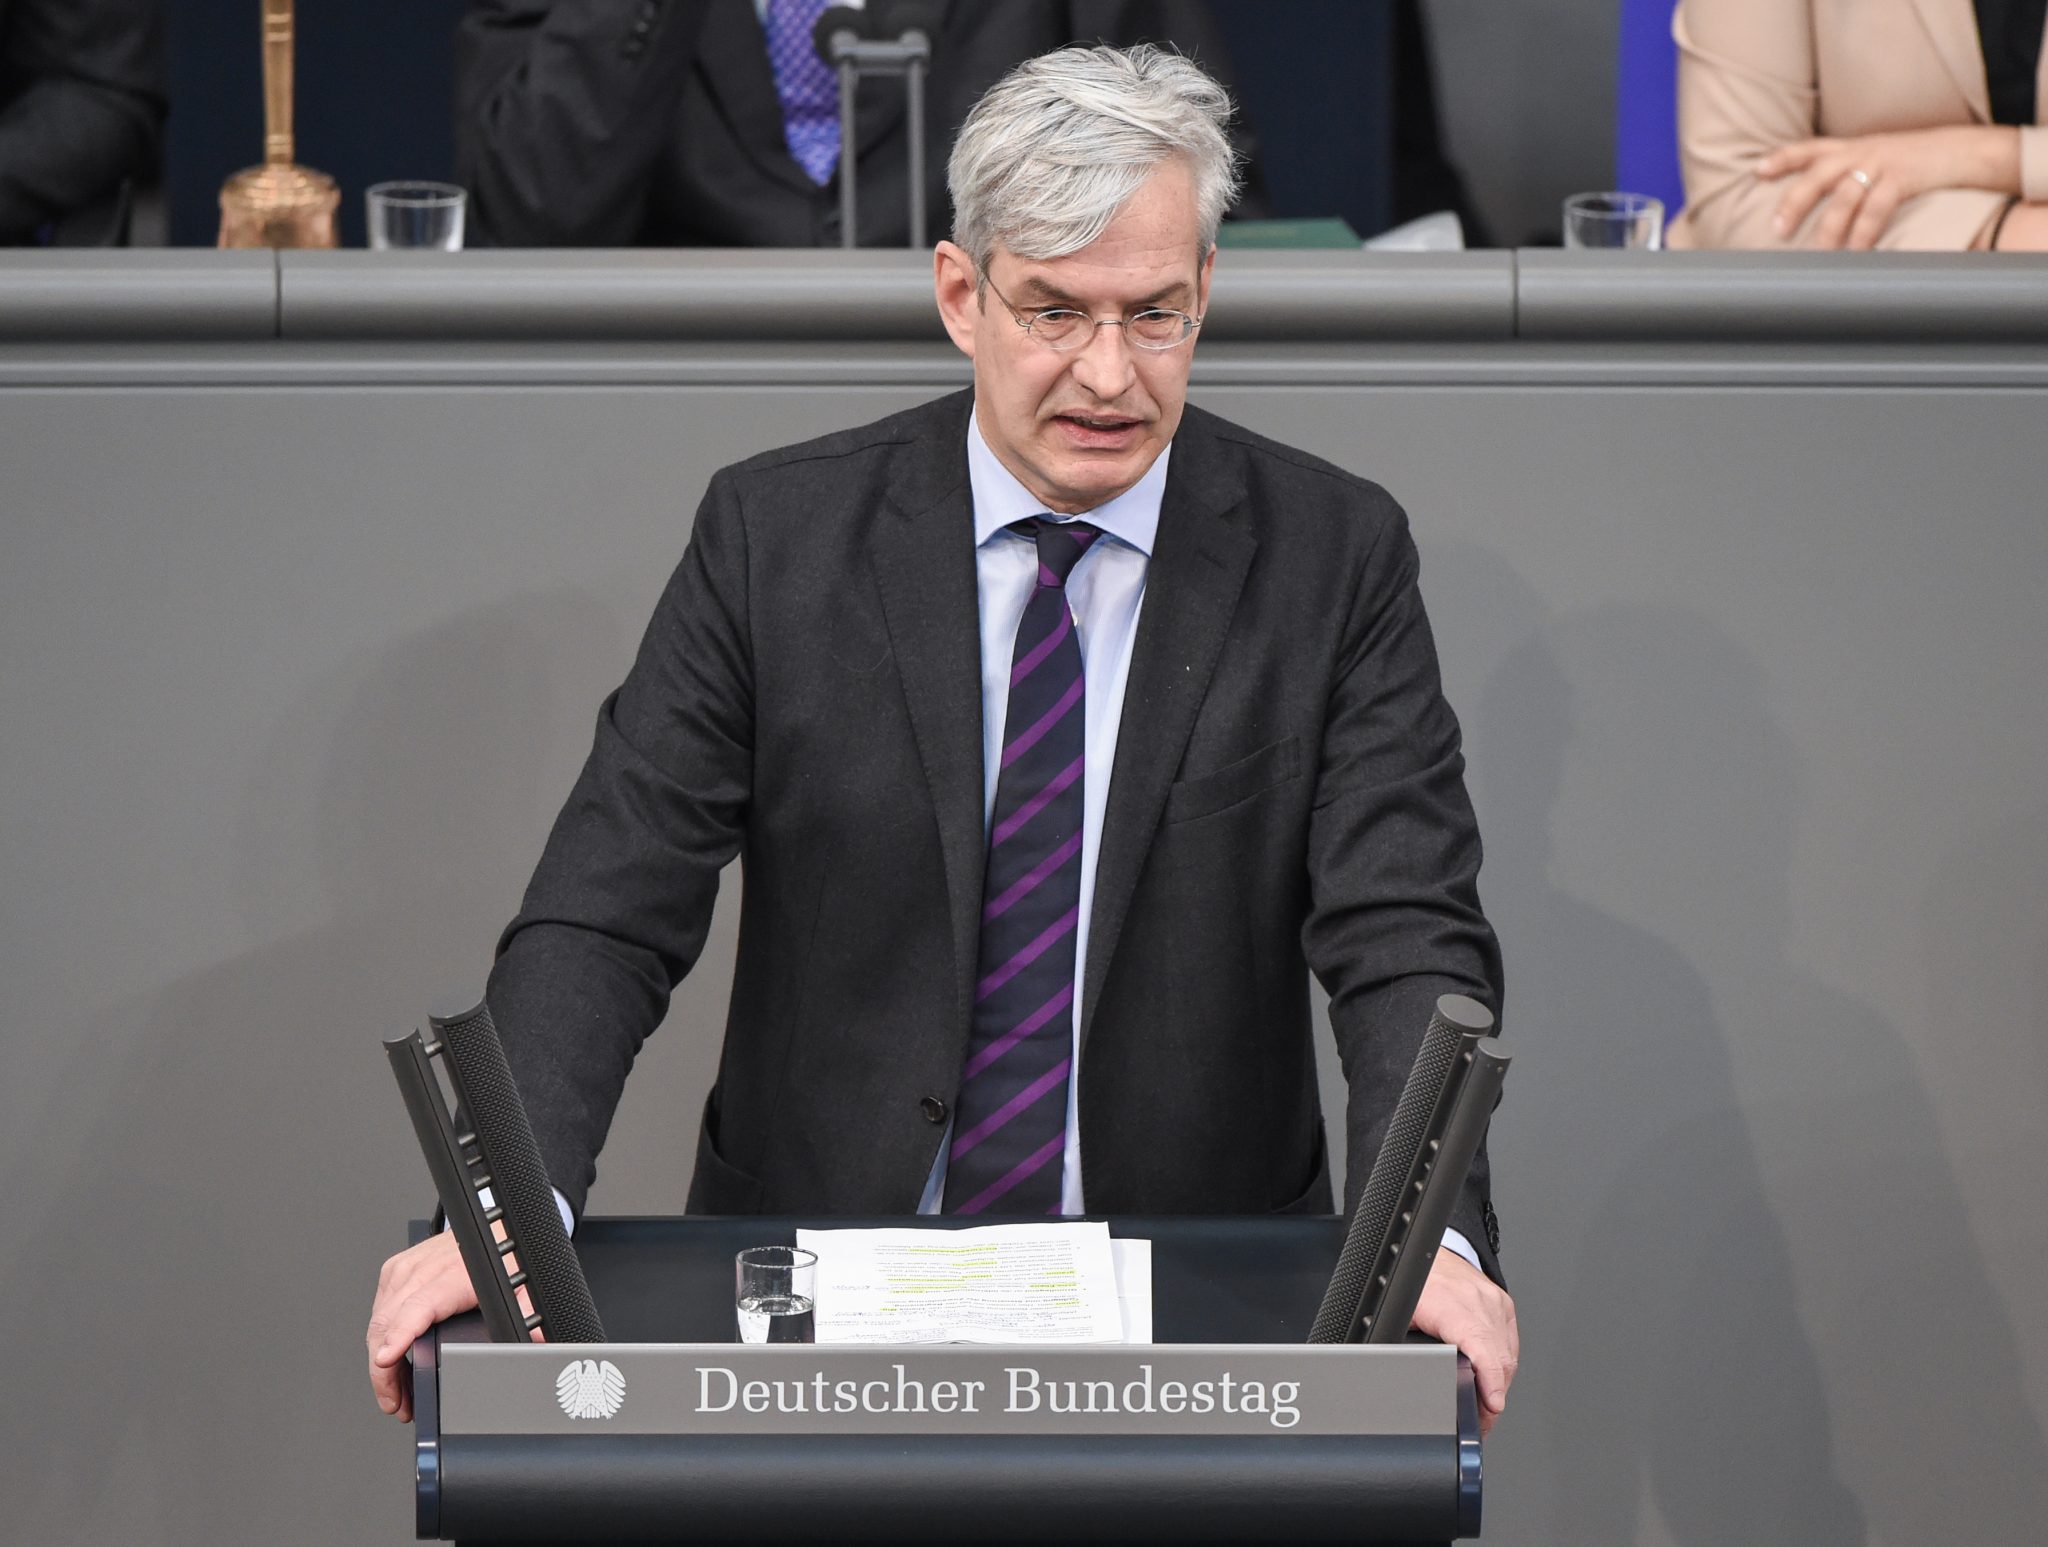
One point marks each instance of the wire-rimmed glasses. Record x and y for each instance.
(1156, 328)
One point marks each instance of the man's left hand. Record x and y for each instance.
(1462, 1306)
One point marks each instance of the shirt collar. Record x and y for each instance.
(999, 499)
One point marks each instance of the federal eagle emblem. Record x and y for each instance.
(590, 1388)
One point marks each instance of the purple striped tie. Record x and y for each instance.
(1010, 1124)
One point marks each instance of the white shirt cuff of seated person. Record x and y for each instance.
(569, 1219)
(1456, 1241)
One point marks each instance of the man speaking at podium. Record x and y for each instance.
(1062, 729)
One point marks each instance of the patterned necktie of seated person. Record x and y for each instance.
(1010, 1123)
(807, 87)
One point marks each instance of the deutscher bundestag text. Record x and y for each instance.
(720, 1390)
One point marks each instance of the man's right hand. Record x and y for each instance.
(421, 1285)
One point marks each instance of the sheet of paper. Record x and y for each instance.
(1133, 1263)
(1050, 1283)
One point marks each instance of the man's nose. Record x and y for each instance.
(1104, 365)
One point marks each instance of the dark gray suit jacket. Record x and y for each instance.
(81, 104)
(1287, 795)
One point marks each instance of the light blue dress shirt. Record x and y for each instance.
(1105, 590)
(761, 8)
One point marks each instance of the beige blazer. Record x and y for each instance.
(1756, 74)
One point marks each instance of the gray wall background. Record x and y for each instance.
(301, 650)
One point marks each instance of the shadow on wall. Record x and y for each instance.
(1740, 1256)
(439, 766)
(1993, 977)
(202, 1270)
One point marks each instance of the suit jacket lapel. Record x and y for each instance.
(1198, 567)
(732, 58)
(2040, 85)
(1952, 25)
(923, 562)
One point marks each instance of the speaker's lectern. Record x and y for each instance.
(1229, 1427)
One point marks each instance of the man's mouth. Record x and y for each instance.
(1099, 432)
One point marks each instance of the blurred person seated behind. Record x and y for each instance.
(714, 123)
(1862, 123)
(81, 107)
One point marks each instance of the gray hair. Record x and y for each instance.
(1055, 148)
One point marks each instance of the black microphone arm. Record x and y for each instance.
(479, 1146)
(1435, 1132)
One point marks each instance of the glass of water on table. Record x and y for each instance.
(772, 1289)
(415, 215)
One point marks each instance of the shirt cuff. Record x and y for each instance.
(1456, 1241)
(569, 1219)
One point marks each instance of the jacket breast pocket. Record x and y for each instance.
(1209, 793)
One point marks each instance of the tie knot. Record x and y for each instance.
(1060, 546)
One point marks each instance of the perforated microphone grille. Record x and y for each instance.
(1455, 1019)
(519, 1180)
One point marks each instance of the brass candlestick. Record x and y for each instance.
(278, 204)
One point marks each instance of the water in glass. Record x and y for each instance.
(776, 1319)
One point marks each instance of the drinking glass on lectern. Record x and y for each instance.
(772, 1294)
(415, 215)
(1614, 220)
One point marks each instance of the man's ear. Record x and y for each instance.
(1202, 279)
(954, 287)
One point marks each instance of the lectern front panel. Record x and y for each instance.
(1230, 1427)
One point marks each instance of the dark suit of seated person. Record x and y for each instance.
(713, 123)
(1063, 730)
(81, 106)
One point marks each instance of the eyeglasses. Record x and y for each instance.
(1062, 327)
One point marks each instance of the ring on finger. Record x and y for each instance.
(1862, 177)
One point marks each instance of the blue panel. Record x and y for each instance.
(1646, 104)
